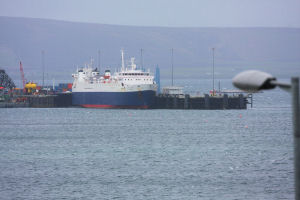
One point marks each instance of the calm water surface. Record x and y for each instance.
(77, 153)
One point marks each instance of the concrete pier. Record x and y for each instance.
(50, 101)
(205, 102)
(40, 101)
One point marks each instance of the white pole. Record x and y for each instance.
(99, 61)
(142, 59)
(296, 125)
(172, 64)
(43, 66)
(122, 56)
(213, 49)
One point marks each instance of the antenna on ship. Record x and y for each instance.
(91, 62)
(133, 65)
(142, 59)
(122, 56)
(99, 60)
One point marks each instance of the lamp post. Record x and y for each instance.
(256, 80)
(213, 70)
(172, 64)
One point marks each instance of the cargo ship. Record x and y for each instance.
(129, 87)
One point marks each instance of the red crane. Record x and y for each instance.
(22, 75)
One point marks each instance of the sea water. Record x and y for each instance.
(77, 153)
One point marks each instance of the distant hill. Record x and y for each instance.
(68, 44)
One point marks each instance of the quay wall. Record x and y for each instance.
(204, 103)
(50, 101)
(39, 101)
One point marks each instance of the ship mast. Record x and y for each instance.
(122, 56)
(142, 67)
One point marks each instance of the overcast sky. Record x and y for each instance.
(175, 13)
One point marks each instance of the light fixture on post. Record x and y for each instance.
(253, 80)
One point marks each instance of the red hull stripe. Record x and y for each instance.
(112, 106)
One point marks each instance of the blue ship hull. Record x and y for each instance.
(139, 99)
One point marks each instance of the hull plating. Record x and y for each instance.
(140, 99)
